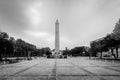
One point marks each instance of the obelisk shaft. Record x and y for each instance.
(57, 44)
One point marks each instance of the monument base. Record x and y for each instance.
(57, 55)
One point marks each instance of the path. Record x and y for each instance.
(61, 69)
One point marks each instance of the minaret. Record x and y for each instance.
(57, 44)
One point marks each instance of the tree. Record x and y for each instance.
(12, 41)
(4, 35)
(99, 46)
(77, 51)
(112, 43)
(45, 51)
(1, 48)
(93, 49)
(66, 51)
(116, 36)
(9, 49)
(116, 30)
(102, 46)
(6, 48)
(5, 45)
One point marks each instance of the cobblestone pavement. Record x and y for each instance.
(61, 69)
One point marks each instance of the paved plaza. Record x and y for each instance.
(61, 69)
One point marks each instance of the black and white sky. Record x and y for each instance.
(81, 21)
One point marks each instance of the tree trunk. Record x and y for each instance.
(101, 55)
(116, 52)
(18, 54)
(90, 56)
(113, 53)
(5, 52)
(0, 57)
(13, 53)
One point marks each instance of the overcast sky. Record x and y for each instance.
(81, 21)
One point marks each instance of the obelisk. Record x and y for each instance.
(57, 43)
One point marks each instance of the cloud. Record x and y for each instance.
(81, 21)
(37, 34)
(33, 14)
(11, 12)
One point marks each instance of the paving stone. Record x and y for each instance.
(61, 69)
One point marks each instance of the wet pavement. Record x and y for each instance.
(61, 69)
